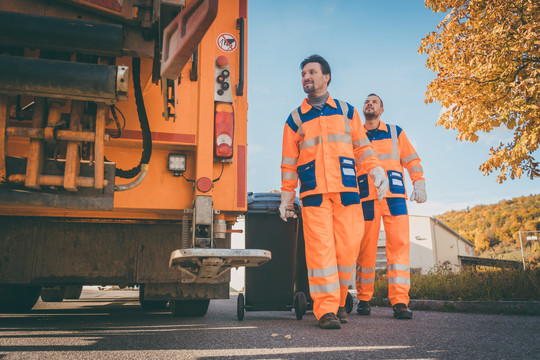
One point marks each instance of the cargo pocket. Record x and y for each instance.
(396, 186)
(348, 172)
(397, 206)
(363, 185)
(306, 174)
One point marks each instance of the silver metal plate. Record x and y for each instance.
(209, 265)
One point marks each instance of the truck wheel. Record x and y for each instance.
(189, 308)
(18, 298)
(72, 291)
(150, 304)
(52, 293)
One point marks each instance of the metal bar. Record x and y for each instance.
(61, 79)
(66, 135)
(45, 32)
(55, 180)
(4, 113)
(34, 164)
(99, 153)
(73, 164)
(241, 25)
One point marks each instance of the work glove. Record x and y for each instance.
(419, 193)
(286, 208)
(380, 181)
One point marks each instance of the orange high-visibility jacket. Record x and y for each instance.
(325, 149)
(394, 151)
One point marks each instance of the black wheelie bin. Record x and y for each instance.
(272, 286)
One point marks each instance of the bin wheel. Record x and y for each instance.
(189, 308)
(349, 303)
(240, 307)
(300, 305)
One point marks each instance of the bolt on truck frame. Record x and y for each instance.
(122, 149)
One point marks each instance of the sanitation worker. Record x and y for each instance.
(325, 146)
(395, 152)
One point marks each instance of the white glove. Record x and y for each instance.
(286, 208)
(380, 181)
(419, 193)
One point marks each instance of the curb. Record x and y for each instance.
(482, 307)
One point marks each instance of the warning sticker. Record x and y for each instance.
(227, 42)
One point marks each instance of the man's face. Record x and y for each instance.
(372, 107)
(313, 80)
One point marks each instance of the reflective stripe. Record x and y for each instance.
(388, 156)
(416, 169)
(345, 269)
(340, 138)
(365, 281)
(289, 176)
(310, 142)
(289, 160)
(399, 280)
(399, 267)
(322, 272)
(409, 158)
(364, 270)
(361, 142)
(328, 288)
(395, 145)
(296, 118)
(345, 282)
(365, 155)
(345, 110)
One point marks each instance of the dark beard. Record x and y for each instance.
(370, 116)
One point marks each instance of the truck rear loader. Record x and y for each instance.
(122, 149)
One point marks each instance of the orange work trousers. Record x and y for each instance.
(332, 235)
(396, 227)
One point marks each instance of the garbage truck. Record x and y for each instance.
(122, 149)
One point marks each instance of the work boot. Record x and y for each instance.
(363, 308)
(329, 321)
(401, 311)
(342, 315)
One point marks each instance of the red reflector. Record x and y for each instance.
(204, 184)
(222, 61)
(224, 150)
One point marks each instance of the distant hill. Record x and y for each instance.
(494, 229)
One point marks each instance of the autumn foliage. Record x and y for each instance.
(486, 54)
(495, 228)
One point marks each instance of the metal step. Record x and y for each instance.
(210, 265)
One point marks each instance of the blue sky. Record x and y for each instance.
(371, 47)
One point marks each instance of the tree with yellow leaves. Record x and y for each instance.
(486, 54)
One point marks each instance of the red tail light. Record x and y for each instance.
(224, 131)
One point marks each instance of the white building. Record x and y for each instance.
(433, 244)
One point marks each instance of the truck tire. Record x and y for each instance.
(189, 308)
(72, 292)
(150, 304)
(18, 298)
(52, 294)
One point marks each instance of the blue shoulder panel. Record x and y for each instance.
(291, 123)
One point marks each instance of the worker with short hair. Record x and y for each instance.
(395, 152)
(324, 147)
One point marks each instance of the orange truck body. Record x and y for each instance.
(66, 216)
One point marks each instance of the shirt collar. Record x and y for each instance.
(305, 107)
(382, 127)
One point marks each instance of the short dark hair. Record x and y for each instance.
(318, 59)
(373, 94)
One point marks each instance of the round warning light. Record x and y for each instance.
(204, 184)
(222, 61)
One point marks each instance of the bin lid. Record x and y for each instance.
(268, 203)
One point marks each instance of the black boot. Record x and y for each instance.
(401, 311)
(363, 308)
(342, 315)
(329, 321)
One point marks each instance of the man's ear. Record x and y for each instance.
(327, 77)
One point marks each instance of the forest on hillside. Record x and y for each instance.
(494, 229)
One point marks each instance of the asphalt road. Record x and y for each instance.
(111, 325)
